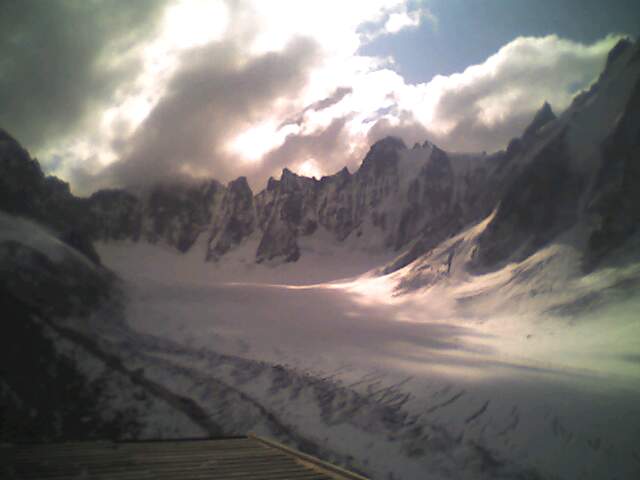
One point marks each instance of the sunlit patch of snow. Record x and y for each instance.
(514, 360)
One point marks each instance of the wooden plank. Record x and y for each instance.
(325, 467)
(239, 458)
(88, 454)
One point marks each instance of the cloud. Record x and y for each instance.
(60, 61)
(479, 109)
(502, 94)
(327, 102)
(406, 128)
(213, 94)
(223, 88)
(487, 104)
(396, 18)
(402, 20)
(243, 87)
(325, 151)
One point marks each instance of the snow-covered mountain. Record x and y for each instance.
(493, 335)
(578, 168)
(569, 180)
(396, 197)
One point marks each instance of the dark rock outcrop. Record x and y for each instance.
(430, 196)
(541, 202)
(399, 200)
(177, 214)
(234, 220)
(26, 191)
(287, 211)
(46, 395)
(115, 215)
(541, 118)
(615, 200)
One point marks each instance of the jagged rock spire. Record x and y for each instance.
(542, 117)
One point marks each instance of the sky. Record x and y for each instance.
(107, 93)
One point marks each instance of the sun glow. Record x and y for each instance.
(309, 168)
(191, 23)
(255, 142)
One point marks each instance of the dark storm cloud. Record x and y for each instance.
(331, 100)
(329, 147)
(58, 60)
(214, 95)
(338, 95)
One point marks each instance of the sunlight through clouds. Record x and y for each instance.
(192, 23)
(246, 128)
(253, 143)
(309, 168)
(399, 21)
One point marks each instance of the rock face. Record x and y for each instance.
(115, 214)
(563, 180)
(286, 210)
(615, 201)
(174, 214)
(177, 214)
(48, 287)
(234, 220)
(540, 202)
(27, 192)
(400, 200)
(48, 276)
(394, 198)
(541, 118)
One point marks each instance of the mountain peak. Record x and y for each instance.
(543, 116)
(287, 174)
(4, 136)
(239, 184)
(618, 49)
(383, 155)
(344, 172)
(389, 143)
(272, 184)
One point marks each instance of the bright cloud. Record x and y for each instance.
(399, 21)
(255, 142)
(193, 23)
(231, 88)
(487, 104)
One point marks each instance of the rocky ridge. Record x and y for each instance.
(402, 200)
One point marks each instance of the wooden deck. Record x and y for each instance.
(237, 458)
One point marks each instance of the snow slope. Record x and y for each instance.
(53, 386)
(485, 350)
(485, 346)
(465, 379)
